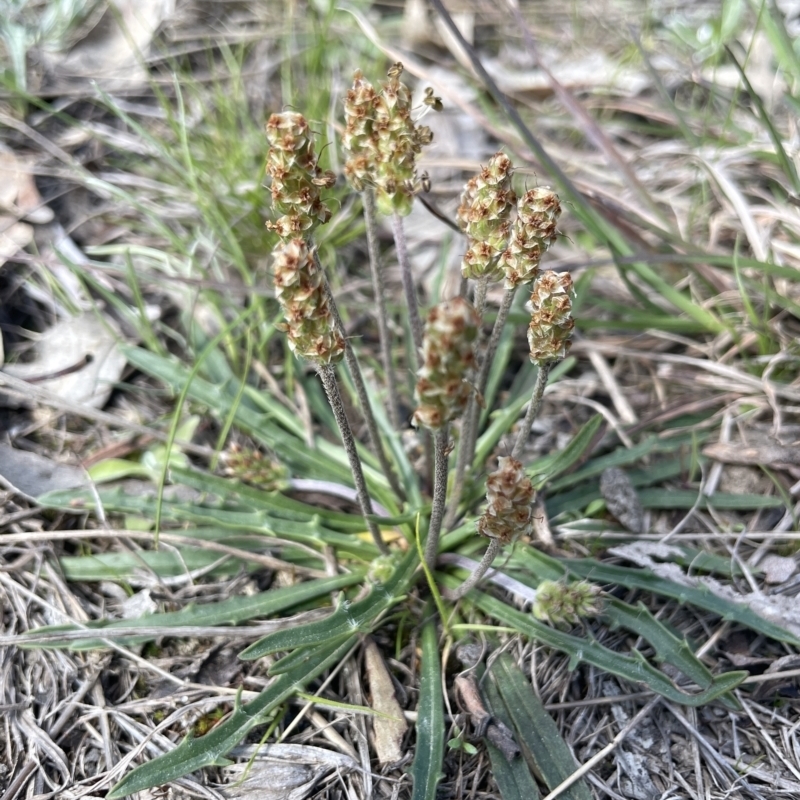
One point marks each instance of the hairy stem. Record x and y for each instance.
(440, 440)
(328, 377)
(379, 290)
(408, 283)
(469, 428)
(533, 409)
(488, 557)
(361, 391)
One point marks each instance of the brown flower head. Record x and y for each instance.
(448, 358)
(509, 498)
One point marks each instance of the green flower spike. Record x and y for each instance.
(250, 466)
(397, 143)
(533, 232)
(299, 288)
(485, 217)
(296, 179)
(551, 324)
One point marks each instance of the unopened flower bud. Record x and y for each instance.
(566, 603)
(250, 466)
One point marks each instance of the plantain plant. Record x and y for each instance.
(415, 521)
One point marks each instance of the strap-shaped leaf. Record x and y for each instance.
(536, 733)
(192, 754)
(427, 768)
(226, 612)
(347, 619)
(544, 566)
(514, 779)
(633, 667)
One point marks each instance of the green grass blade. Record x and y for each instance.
(232, 611)
(346, 619)
(426, 770)
(536, 733)
(193, 754)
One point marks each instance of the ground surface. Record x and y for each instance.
(131, 211)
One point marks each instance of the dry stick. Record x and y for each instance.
(379, 290)
(469, 435)
(361, 391)
(328, 377)
(533, 409)
(439, 495)
(488, 557)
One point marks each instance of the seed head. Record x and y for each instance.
(299, 288)
(566, 603)
(509, 495)
(383, 141)
(485, 216)
(534, 231)
(551, 319)
(448, 358)
(296, 178)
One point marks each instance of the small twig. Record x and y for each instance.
(379, 290)
(328, 378)
(470, 583)
(533, 409)
(439, 496)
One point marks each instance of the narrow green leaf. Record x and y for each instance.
(217, 513)
(347, 619)
(430, 727)
(514, 779)
(295, 657)
(631, 667)
(669, 648)
(536, 733)
(232, 611)
(193, 754)
(634, 578)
